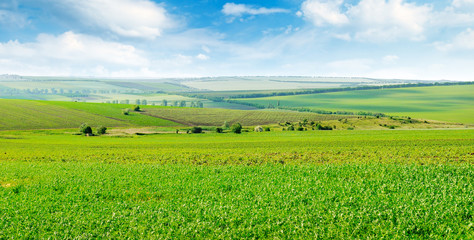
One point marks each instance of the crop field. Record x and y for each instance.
(21, 114)
(216, 117)
(334, 184)
(444, 103)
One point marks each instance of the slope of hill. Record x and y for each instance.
(23, 114)
(216, 117)
(443, 103)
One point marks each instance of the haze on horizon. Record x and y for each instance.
(403, 39)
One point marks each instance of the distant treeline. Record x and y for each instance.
(313, 91)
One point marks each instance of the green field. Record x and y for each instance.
(336, 184)
(443, 103)
(22, 114)
(217, 117)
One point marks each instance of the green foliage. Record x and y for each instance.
(126, 111)
(136, 108)
(101, 130)
(85, 129)
(219, 130)
(267, 129)
(196, 130)
(236, 128)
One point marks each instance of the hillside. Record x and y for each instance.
(443, 103)
(216, 117)
(23, 114)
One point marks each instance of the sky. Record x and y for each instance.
(392, 39)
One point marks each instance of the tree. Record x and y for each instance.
(164, 103)
(85, 129)
(136, 108)
(236, 128)
(101, 130)
(196, 130)
(144, 102)
(182, 104)
(219, 130)
(137, 102)
(200, 104)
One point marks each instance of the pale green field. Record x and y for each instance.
(443, 103)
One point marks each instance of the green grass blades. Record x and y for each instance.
(62, 200)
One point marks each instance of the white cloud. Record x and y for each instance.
(462, 41)
(12, 18)
(322, 12)
(68, 53)
(129, 18)
(202, 57)
(389, 21)
(469, 4)
(371, 20)
(232, 9)
(390, 58)
(350, 67)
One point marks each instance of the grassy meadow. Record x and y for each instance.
(327, 184)
(370, 178)
(443, 103)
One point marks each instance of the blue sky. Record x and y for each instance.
(152, 38)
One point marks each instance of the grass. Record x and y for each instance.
(443, 103)
(115, 111)
(21, 114)
(344, 184)
(217, 117)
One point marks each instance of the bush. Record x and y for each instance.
(196, 130)
(267, 129)
(101, 130)
(136, 108)
(85, 129)
(236, 128)
(219, 130)
(291, 128)
(126, 111)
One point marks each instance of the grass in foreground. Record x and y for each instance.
(344, 184)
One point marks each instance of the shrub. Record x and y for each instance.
(196, 130)
(267, 129)
(126, 111)
(291, 128)
(236, 128)
(300, 129)
(85, 129)
(136, 108)
(219, 130)
(101, 130)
